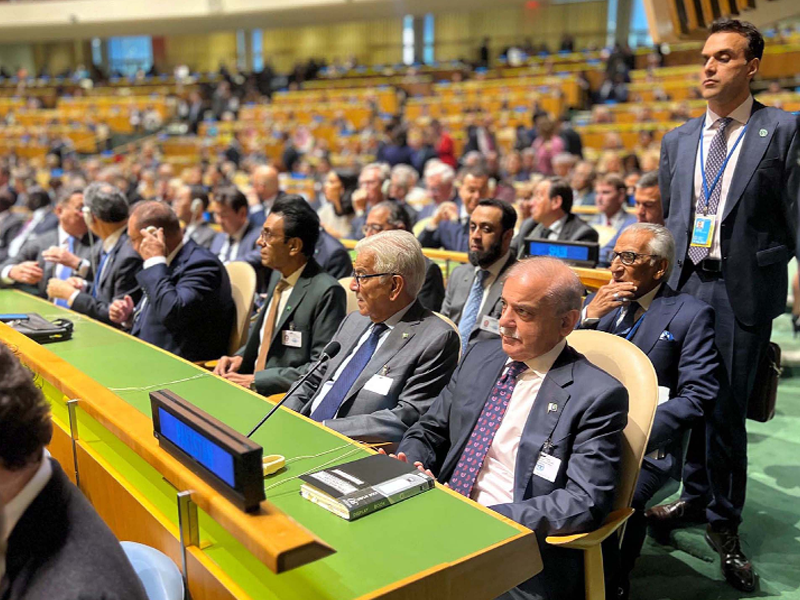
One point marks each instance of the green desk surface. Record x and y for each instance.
(371, 553)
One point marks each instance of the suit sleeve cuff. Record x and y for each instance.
(152, 262)
(4, 276)
(71, 299)
(587, 321)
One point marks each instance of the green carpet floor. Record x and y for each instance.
(688, 569)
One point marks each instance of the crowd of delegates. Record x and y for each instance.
(428, 366)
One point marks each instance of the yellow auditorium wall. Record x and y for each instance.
(203, 52)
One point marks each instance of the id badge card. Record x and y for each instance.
(703, 231)
(490, 324)
(292, 339)
(547, 467)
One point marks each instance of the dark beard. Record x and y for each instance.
(484, 258)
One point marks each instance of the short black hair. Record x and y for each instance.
(25, 424)
(38, 198)
(232, 197)
(156, 214)
(8, 198)
(755, 41)
(397, 214)
(509, 215)
(198, 193)
(299, 221)
(560, 187)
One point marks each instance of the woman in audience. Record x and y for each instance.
(337, 212)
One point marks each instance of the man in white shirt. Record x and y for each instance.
(611, 195)
(52, 543)
(529, 427)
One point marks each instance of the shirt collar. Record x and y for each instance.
(558, 225)
(240, 234)
(741, 114)
(111, 241)
(14, 510)
(497, 266)
(295, 277)
(541, 364)
(646, 300)
(63, 236)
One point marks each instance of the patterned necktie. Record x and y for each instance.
(329, 406)
(470, 313)
(269, 324)
(64, 272)
(229, 251)
(624, 325)
(103, 257)
(717, 152)
(469, 465)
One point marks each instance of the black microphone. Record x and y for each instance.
(331, 350)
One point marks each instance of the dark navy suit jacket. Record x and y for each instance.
(189, 310)
(586, 433)
(247, 251)
(332, 256)
(677, 335)
(450, 235)
(759, 226)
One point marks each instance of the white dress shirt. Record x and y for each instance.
(495, 481)
(234, 247)
(284, 298)
(740, 116)
(494, 272)
(617, 220)
(13, 511)
(555, 228)
(390, 323)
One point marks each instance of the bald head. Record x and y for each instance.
(158, 215)
(265, 182)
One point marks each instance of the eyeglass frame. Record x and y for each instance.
(270, 236)
(358, 278)
(615, 254)
(366, 228)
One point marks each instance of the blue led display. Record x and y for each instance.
(203, 450)
(561, 251)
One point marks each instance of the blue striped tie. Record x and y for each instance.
(473, 305)
(65, 272)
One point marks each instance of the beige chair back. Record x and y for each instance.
(352, 303)
(449, 321)
(243, 286)
(604, 234)
(625, 362)
(420, 225)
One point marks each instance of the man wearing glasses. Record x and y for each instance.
(306, 304)
(396, 356)
(676, 331)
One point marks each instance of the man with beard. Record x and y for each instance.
(472, 299)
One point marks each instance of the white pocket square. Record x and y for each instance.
(667, 336)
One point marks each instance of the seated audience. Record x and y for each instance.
(368, 194)
(306, 305)
(582, 182)
(676, 331)
(336, 214)
(191, 204)
(472, 299)
(552, 218)
(514, 402)
(187, 308)
(610, 199)
(41, 219)
(647, 200)
(402, 180)
(388, 216)
(439, 181)
(39, 259)
(116, 262)
(395, 357)
(449, 225)
(10, 223)
(267, 190)
(52, 542)
(237, 240)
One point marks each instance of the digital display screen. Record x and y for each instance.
(196, 445)
(562, 251)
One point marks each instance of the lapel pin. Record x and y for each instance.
(405, 335)
(763, 133)
(384, 369)
(288, 307)
(552, 407)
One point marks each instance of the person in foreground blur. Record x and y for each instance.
(52, 542)
(647, 200)
(10, 223)
(676, 331)
(395, 356)
(191, 204)
(388, 216)
(187, 308)
(527, 399)
(306, 305)
(472, 299)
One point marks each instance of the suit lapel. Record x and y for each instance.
(541, 420)
(687, 157)
(661, 311)
(298, 292)
(753, 148)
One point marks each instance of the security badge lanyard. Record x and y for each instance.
(547, 466)
(703, 232)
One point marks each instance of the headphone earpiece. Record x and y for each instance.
(88, 217)
(196, 205)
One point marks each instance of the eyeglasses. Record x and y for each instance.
(359, 279)
(269, 236)
(628, 258)
(374, 228)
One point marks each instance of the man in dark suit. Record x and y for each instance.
(117, 263)
(552, 217)
(10, 223)
(553, 421)
(332, 256)
(239, 236)
(41, 219)
(388, 216)
(191, 204)
(52, 543)
(395, 357)
(449, 225)
(481, 137)
(647, 199)
(676, 331)
(735, 230)
(306, 305)
(439, 182)
(267, 188)
(187, 308)
(472, 299)
(611, 195)
(40, 258)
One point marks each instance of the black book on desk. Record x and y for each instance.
(364, 486)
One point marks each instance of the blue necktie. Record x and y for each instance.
(65, 272)
(470, 314)
(103, 257)
(624, 326)
(329, 406)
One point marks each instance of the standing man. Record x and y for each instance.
(472, 299)
(735, 228)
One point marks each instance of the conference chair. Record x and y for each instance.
(352, 302)
(243, 287)
(420, 225)
(449, 321)
(160, 577)
(624, 361)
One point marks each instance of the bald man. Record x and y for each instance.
(266, 186)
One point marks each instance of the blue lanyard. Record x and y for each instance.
(706, 191)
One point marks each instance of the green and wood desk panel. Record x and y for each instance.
(437, 545)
